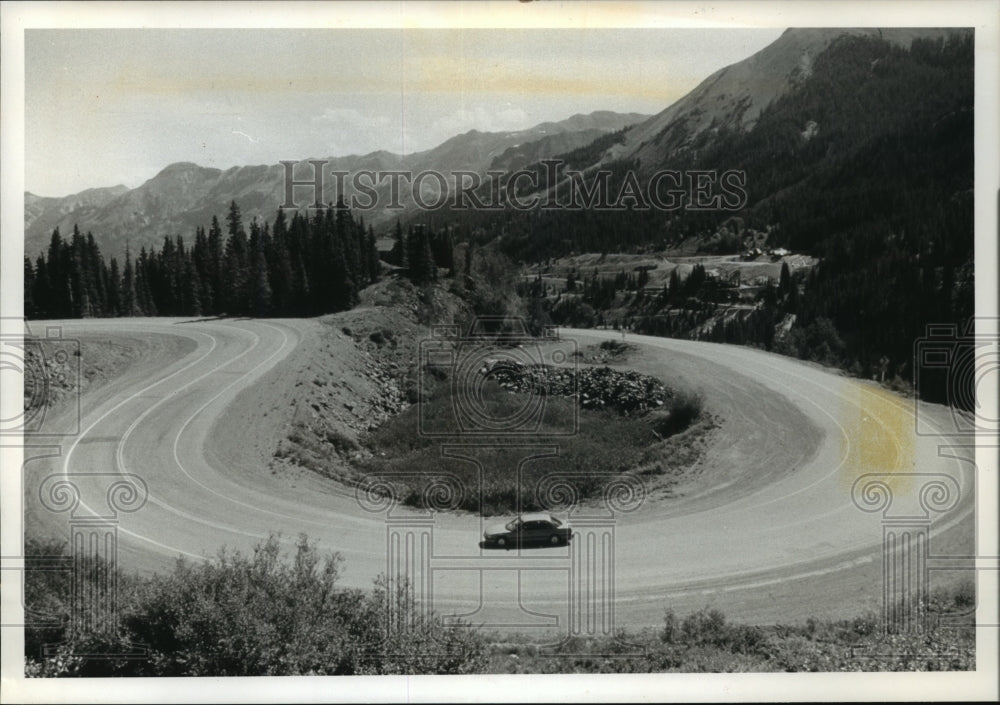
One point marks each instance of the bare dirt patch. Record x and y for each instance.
(356, 372)
(58, 371)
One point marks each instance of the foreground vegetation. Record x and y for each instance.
(705, 642)
(243, 615)
(269, 614)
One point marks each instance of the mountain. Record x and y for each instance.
(185, 195)
(522, 155)
(856, 148)
(734, 97)
(42, 212)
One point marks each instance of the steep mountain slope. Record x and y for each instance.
(521, 155)
(733, 97)
(865, 162)
(185, 195)
(44, 213)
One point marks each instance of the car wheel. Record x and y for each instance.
(555, 540)
(502, 543)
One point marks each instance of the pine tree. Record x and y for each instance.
(216, 253)
(344, 233)
(114, 289)
(191, 289)
(397, 255)
(299, 239)
(42, 294)
(421, 262)
(30, 310)
(784, 281)
(60, 292)
(374, 266)
(81, 305)
(342, 293)
(236, 273)
(280, 266)
(145, 271)
(443, 249)
(203, 267)
(130, 298)
(260, 288)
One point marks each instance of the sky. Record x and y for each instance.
(115, 106)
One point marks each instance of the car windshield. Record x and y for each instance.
(555, 522)
(512, 525)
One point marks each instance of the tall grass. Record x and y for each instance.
(606, 443)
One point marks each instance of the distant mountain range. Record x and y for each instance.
(856, 147)
(185, 195)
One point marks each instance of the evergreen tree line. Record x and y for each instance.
(308, 265)
(421, 251)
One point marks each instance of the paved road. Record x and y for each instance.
(778, 536)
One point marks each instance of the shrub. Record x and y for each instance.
(965, 594)
(708, 628)
(259, 614)
(383, 337)
(683, 410)
(615, 347)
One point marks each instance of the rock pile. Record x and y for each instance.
(388, 399)
(51, 374)
(595, 387)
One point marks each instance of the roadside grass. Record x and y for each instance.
(605, 444)
(705, 642)
(272, 612)
(322, 452)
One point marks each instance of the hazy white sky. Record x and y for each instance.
(106, 107)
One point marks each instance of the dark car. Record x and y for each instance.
(539, 527)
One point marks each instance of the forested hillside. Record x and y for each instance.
(866, 165)
(298, 267)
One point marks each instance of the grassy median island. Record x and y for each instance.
(606, 423)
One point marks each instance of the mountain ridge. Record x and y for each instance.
(184, 195)
(734, 96)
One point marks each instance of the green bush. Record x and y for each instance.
(259, 614)
(683, 409)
